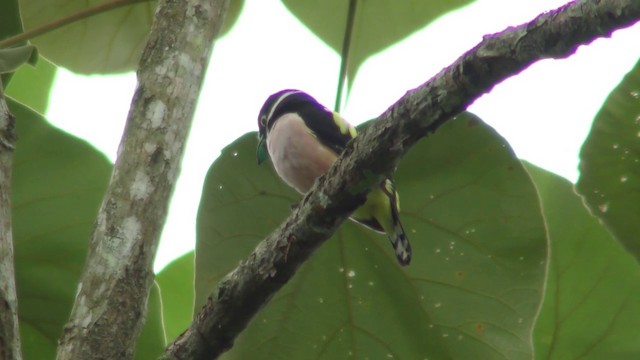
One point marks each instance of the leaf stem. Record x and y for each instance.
(346, 47)
(58, 23)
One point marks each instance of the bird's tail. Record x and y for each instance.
(399, 241)
(381, 213)
(396, 234)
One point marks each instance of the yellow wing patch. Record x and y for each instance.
(391, 191)
(344, 126)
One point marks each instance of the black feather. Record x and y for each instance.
(317, 118)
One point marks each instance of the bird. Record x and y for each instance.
(303, 139)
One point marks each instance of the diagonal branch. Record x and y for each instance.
(9, 333)
(108, 312)
(375, 153)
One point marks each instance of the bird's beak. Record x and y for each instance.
(261, 153)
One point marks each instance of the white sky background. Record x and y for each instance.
(544, 112)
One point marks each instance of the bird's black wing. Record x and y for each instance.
(329, 127)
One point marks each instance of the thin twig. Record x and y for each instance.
(346, 49)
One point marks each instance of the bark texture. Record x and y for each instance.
(9, 332)
(375, 153)
(109, 309)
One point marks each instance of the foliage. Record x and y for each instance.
(593, 285)
(58, 183)
(110, 42)
(610, 163)
(366, 34)
(496, 243)
(475, 278)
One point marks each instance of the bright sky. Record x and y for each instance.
(544, 112)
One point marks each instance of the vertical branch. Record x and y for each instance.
(110, 305)
(9, 333)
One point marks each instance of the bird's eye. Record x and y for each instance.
(263, 120)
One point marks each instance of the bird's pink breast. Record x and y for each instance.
(297, 155)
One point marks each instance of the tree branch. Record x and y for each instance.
(111, 302)
(9, 332)
(375, 153)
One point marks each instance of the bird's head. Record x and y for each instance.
(278, 104)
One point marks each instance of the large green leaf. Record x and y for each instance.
(31, 85)
(58, 184)
(591, 308)
(109, 42)
(610, 163)
(176, 287)
(377, 24)
(473, 288)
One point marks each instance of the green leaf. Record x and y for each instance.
(176, 286)
(472, 290)
(12, 58)
(591, 308)
(230, 19)
(58, 184)
(31, 85)
(378, 24)
(10, 24)
(610, 162)
(151, 342)
(109, 42)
